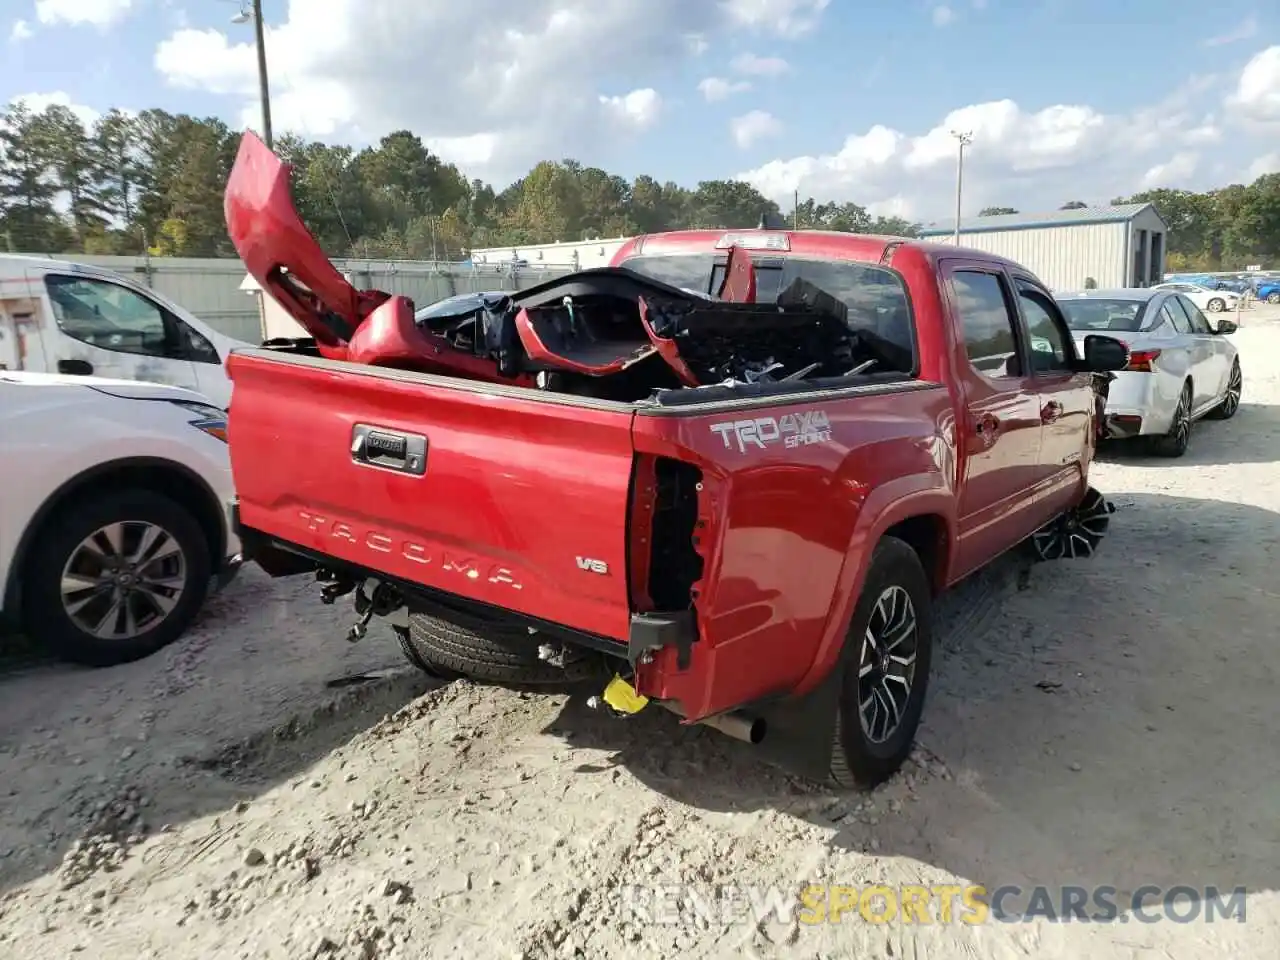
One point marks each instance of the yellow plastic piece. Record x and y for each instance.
(622, 696)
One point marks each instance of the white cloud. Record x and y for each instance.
(1245, 30)
(1257, 93)
(1175, 172)
(1269, 163)
(97, 13)
(752, 65)
(505, 97)
(512, 82)
(752, 127)
(639, 108)
(21, 31)
(718, 88)
(943, 15)
(38, 102)
(785, 18)
(1031, 159)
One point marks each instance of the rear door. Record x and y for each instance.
(1209, 356)
(999, 430)
(106, 329)
(1065, 398)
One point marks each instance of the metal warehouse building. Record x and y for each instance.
(1121, 246)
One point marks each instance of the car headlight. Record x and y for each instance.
(209, 419)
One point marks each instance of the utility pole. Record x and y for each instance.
(264, 90)
(797, 209)
(964, 139)
(254, 13)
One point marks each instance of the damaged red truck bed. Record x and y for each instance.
(732, 470)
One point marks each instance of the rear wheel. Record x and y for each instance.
(1217, 305)
(887, 655)
(456, 644)
(1273, 297)
(115, 578)
(1175, 442)
(1231, 400)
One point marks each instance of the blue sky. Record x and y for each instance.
(845, 100)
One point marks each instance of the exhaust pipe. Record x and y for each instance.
(740, 726)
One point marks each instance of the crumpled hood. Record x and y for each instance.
(282, 255)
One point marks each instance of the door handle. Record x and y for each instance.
(389, 449)
(1050, 412)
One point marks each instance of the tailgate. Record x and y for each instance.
(508, 500)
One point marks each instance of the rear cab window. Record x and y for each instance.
(1049, 338)
(988, 322)
(876, 296)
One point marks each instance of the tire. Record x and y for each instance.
(469, 645)
(1273, 296)
(66, 628)
(862, 754)
(1231, 402)
(1217, 305)
(1175, 442)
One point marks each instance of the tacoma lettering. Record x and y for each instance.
(409, 550)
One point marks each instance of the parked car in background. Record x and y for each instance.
(1267, 289)
(113, 527)
(63, 317)
(460, 304)
(1214, 301)
(1181, 367)
(1240, 285)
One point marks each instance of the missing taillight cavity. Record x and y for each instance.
(675, 564)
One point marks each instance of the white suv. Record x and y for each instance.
(113, 512)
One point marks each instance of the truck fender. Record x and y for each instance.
(885, 506)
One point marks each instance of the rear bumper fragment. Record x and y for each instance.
(651, 632)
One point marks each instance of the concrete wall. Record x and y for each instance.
(212, 289)
(590, 253)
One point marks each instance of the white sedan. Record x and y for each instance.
(1181, 367)
(1211, 301)
(114, 523)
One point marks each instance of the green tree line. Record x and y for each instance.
(153, 182)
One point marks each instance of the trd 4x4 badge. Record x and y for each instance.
(792, 430)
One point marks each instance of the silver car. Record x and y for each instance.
(1181, 367)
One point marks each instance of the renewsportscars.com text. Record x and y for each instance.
(669, 904)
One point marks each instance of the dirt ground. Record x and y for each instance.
(265, 790)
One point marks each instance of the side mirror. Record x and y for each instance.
(1227, 326)
(1104, 354)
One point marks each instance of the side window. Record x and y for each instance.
(1198, 322)
(199, 348)
(989, 327)
(104, 314)
(1173, 312)
(1051, 350)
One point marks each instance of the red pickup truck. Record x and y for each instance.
(732, 471)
